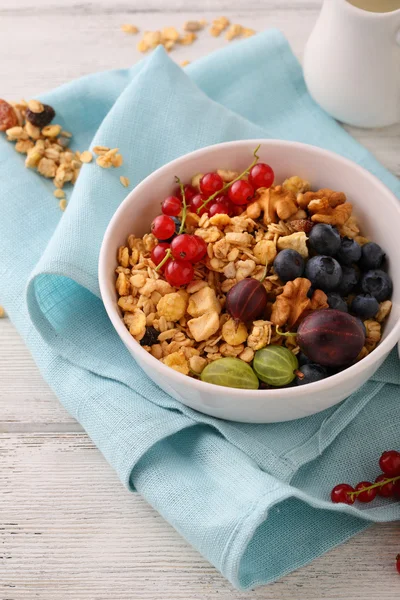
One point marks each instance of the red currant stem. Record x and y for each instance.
(287, 334)
(230, 183)
(375, 485)
(168, 255)
(184, 209)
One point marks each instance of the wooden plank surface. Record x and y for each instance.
(67, 527)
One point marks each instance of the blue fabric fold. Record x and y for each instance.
(253, 499)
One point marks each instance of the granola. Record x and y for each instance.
(179, 296)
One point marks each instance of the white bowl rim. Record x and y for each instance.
(283, 393)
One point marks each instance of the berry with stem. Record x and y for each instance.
(184, 246)
(158, 254)
(366, 493)
(389, 462)
(343, 493)
(163, 227)
(261, 176)
(218, 208)
(211, 183)
(198, 204)
(386, 487)
(201, 249)
(171, 206)
(241, 192)
(230, 183)
(179, 272)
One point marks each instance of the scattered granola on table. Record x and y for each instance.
(242, 280)
(46, 145)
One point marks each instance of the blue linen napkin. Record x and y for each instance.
(253, 499)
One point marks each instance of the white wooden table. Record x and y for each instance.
(68, 529)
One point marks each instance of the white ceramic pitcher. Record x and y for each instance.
(352, 64)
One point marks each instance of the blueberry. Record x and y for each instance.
(372, 256)
(349, 251)
(324, 272)
(336, 301)
(150, 337)
(324, 239)
(365, 306)
(311, 373)
(350, 277)
(288, 265)
(303, 359)
(378, 284)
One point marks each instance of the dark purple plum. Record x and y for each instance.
(331, 338)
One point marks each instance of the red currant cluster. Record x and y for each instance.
(387, 484)
(177, 251)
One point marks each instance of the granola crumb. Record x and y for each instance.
(99, 150)
(2, 312)
(63, 204)
(184, 63)
(128, 28)
(86, 156)
(124, 180)
(35, 106)
(59, 193)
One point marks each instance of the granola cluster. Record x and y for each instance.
(189, 327)
(170, 37)
(46, 145)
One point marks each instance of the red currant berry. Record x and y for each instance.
(385, 490)
(389, 462)
(366, 496)
(171, 206)
(184, 246)
(218, 208)
(196, 202)
(261, 175)
(189, 190)
(341, 493)
(211, 183)
(236, 210)
(158, 254)
(163, 227)
(179, 272)
(241, 192)
(398, 563)
(201, 249)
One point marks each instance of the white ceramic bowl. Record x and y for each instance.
(378, 212)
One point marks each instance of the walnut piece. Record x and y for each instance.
(276, 203)
(333, 198)
(322, 212)
(291, 303)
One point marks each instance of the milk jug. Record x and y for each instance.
(352, 61)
